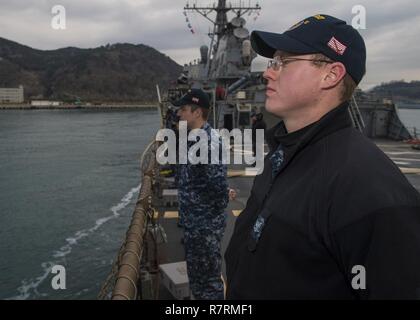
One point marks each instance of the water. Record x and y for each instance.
(68, 184)
(411, 119)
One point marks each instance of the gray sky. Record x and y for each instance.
(392, 28)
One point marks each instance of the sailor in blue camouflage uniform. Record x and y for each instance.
(203, 197)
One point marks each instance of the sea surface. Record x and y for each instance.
(69, 180)
(411, 119)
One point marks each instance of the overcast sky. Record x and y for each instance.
(392, 31)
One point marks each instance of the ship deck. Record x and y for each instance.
(406, 158)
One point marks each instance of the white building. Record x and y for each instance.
(45, 103)
(13, 95)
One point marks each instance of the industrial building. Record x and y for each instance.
(11, 95)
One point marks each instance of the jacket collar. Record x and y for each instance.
(338, 118)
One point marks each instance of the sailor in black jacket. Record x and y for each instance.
(331, 216)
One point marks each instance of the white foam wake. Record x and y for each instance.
(30, 286)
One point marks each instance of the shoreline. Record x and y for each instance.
(81, 107)
(408, 108)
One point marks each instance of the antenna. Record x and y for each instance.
(220, 24)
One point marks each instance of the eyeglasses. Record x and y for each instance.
(277, 62)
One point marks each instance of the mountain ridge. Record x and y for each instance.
(118, 72)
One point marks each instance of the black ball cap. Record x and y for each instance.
(317, 34)
(194, 96)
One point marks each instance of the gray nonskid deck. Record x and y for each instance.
(405, 157)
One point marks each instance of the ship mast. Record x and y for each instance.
(219, 25)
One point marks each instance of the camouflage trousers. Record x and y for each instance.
(204, 263)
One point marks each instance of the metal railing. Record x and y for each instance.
(123, 281)
(355, 115)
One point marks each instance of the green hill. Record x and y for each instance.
(399, 90)
(119, 72)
